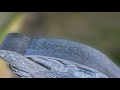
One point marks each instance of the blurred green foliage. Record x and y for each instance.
(6, 20)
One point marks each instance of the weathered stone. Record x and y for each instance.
(60, 48)
(38, 66)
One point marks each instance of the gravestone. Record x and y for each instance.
(63, 49)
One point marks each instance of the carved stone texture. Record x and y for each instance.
(47, 67)
(63, 49)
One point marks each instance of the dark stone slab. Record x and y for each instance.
(15, 42)
(61, 48)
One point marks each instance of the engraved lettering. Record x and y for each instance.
(69, 49)
(60, 48)
(76, 51)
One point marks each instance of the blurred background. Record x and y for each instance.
(100, 30)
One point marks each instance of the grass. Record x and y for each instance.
(5, 29)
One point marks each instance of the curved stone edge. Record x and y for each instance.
(16, 42)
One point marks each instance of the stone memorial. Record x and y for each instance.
(60, 58)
